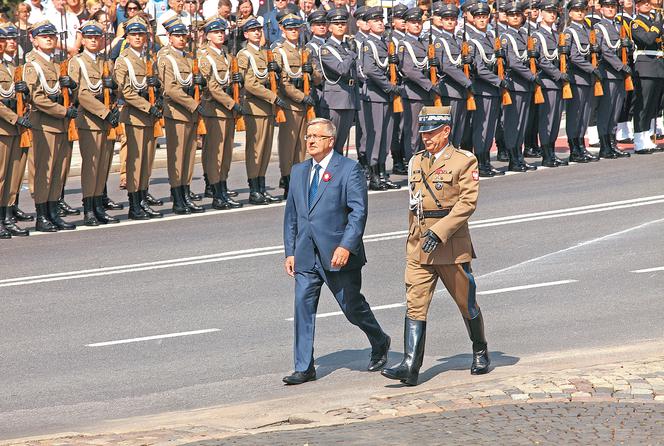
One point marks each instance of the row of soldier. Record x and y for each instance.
(496, 76)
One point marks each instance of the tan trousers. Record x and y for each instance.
(218, 148)
(96, 156)
(260, 131)
(291, 141)
(180, 151)
(31, 168)
(15, 172)
(6, 143)
(122, 139)
(421, 284)
(140, 156)
(52, 152)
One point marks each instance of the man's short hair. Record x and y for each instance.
(225, 3)
(329, 126)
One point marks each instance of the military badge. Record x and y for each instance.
(476, 175)
(437, 45)
(439, 186)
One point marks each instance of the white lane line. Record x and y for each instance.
(648, 270)
(487, 292)
(152, 338)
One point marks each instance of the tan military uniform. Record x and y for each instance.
(10, 152)
(218, 142)
(444, 207)
(139, 125)
(180, 115)
(52, 149)
(258, 101)
(292, 148)
(96, 149)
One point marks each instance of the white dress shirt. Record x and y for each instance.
(323, 166)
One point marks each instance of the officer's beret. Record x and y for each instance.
(338, 15)
(580, 4)
(43, 28)
(480, 8)
(548, 5)
(360, 12)
(317, 16)
(8, 30)
(136, 25)
(448, 10)
(413, 14)
(608, 2)
(177, 28)
(251, 23)
(215, 24)
(291, 21)
(432, 118)
(514, 6)
(91, 28)
(374, 13)
(467, 5)
(399, 11)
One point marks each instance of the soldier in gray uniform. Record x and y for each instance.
(455, 85)
(613, 71)
(358, 39)
(582, 76)
(549, 113)
(521, 91)
(488, 87)
(499, 8)
(338, 60)
(317, 20)
(436, 27)
(531, 147)
(398, 145)
(377, 95)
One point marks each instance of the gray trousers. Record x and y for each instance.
(549, 116)
(610, 106)
(380, 122)
(578, 111)
(458, 110)
(360, 135)
(342, 120)
(514, 118)
(411, 141)
(483, 123)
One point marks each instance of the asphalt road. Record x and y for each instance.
(571, 238)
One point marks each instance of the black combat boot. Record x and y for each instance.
(284, 183)
(109, 204)
(89, 218)
(218, 201)
(374, 179)
(263, 190)
(385, 178)
(414, 337)
(483, 165)
(152, 201)
(192, 196)
(362, 159)
(575, 153)
(559, 162)
(548, 157)
(581, 143)
(179, 206)
(515, 162)
(43, 222)
(605, 149)
(4, 232)
(9, 223)
(225, 194)
(53, 208)
(255, 196)
(63, 208)
(209, 190)
(145, 205)
(614, 146)
(523, 162)
(481, 360)
(136, 212)
(186, 197)
(18, 214)
(100, 211)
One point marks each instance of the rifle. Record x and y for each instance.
(239, 121)
(200, 129)
(629, 84)
(562, 58)
(431, 54)
(465, 50)
(72, 133)
(539, 96)
(592, 38)
(112, 135)
(280, 116)
(306, 80)
(26, 134)
(158, 131)
(397, 105)
(500, 62)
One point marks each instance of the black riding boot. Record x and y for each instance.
(187, 198)
(89, 217)
(255, 196)
(179, 206)
(9, 223)
(100, 211)
(614, 146)
(53, 209)
(145, 205)
(575, 153)
(43, 222)
(136, 212)
(18, 214)
(414, 338)
(605, 149)
(109, 204)
(263, 189)
(385, 179)
(481, 360)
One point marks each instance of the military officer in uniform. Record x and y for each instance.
(318, 25)
(444, 188)
(221, 112)
(259, 102)
(356, 41)
(398, 143)
(50, 120)
(288, 55)
(181, 113)
(138, 116)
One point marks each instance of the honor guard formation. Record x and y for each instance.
(506, 69)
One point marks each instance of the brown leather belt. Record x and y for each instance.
(434, 214)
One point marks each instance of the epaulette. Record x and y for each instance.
(465, 152)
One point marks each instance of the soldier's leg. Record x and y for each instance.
(413, 142)
(625, 128)
(386, 129)
(254, 136)
(43, 154)
(213, 146)
(31, 170)
(174, 147)
(18, 174)
(545, 121)
(361, 120)
(396, 141)
(221, 192)
(458, 110)
(573, 125)
(483, 131)
(266, 154)
(123, 159)
(531, 146)
(135, 163)
(420, 283)
(90, 147)
(467, 137)
(343, 121)
(587, 102)
(105, 162)
(10, 162)
(501, 147)
(286, 142)
(61, 152)
(190, 138)
(513, 119)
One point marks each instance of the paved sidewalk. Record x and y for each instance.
(616, 403)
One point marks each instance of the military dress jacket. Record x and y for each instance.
(87, 73)
(647, 37)
(546, 42)
(339, 69)
(515, 45)
(450, 185)
(375, 68)
(289, 59)
(215, 67)
(175, 70)
(46, 115)
(487, 82)
(130, 73)
(8, 114)
(608, 39)
(580, 67)
(448, 50)
(414, 67)
(314, 45)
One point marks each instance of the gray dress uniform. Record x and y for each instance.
(314, 45)
(360, 125)
(399, 142)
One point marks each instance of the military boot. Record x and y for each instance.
(614, 146)
(385, 178)
(225, 194)
(63, 208)
(481, 360)
(263, 190)
(43, 221)
(605, 149)
(575, 153)
(485, 169)
(218, 200)
(100, 211)
(559, 162)
(374, 179)
(209, 190)
(548, 157)
(515, 163)
(53, 209)
(4, 232)
(109, 204)
(179, 206)
(89, 218)
(414, 338)
(362, 159)
(255, 196)
(145, 205)
(284, 183)
(581, 143)
(187, 198)
(191, 196)
(9, 223)
(18, 214)
(136, 212)
(523, 162)
(152, 201)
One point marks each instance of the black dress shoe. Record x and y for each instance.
(379, 359)
(643, 152)
(300, 377)
(531, 152)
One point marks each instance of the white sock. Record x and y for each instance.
(593, 136)
(622, 131)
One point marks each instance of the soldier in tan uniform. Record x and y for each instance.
(221, 108)
(288, 55)
(138, 116)
(181, 113)
(259, 102)
(444, 187)
(10, 127)
(93, 122)
(50, 120)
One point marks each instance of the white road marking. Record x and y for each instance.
(339, 313)
(648, 270)
(277, 249)
(152, 338)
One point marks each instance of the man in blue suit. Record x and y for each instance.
(325, 216)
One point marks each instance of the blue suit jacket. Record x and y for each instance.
(337, 218)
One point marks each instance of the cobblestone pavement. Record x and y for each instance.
(586, 423)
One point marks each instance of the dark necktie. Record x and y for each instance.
(313, 187)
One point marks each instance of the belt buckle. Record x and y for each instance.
(351, 82)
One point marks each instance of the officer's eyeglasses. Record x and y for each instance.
(315, 138)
